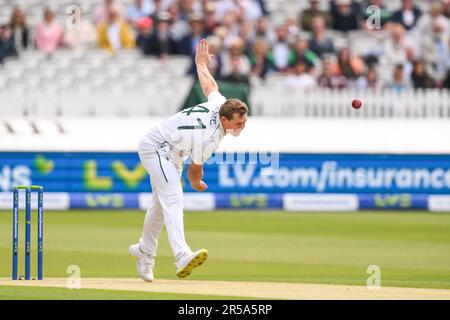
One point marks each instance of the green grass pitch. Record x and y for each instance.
(411, 248)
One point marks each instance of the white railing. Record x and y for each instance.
(326, 103)
(165, 99)
(150, 100)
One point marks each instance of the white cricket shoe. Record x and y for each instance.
(190, 261)
(144, 263)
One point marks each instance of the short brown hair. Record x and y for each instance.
(232, 106)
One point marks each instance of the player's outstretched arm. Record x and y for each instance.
(195, 175)
(202, 58)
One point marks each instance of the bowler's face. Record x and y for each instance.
(235, 125)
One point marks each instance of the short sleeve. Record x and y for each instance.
(216, 96)
(202, 152)
(197, 146)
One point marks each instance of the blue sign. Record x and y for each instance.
(249, 200)
(401, 201)
(296, 173)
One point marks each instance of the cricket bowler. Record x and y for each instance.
(195, 132)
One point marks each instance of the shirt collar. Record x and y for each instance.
(221, 129)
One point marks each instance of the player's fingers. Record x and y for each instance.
(202, 46)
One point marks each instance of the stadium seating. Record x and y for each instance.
(96, 83)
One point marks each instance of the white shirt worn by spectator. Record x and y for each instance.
(227, 65)
(134, 13)
(251, 8)
(114, 36)
(424, 26)
(396, 52)
(281, 52)
(83, 36)
(195, 132)
(179, 29)
(304, 81)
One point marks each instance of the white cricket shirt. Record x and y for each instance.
(195, 132)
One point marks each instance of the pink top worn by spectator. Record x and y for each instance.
(49, 37)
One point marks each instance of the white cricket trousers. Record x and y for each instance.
(166, 207)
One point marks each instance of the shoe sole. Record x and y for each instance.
(197, 261)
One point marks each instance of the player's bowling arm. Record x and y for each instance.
(205, 77)
(206, 80)
(195, 175)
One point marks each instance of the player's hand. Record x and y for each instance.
(200, 187)
(202, 55)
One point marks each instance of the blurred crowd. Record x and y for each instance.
(246, 45)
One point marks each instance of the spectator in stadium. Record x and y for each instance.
(345, 14)
(371, 17)
(262, 31)
(235, 65)
(222, 33)
(101, 11)
(160, 7)
(230, 22)
(436, 51)
(49, 35)
(307, 16)
(408, 65)
(399, 83)
(408, 15)
(426, 23)
(249, 10)
(253, 10)
(115, 34)
(261, 61)
(397, 45)
(246, 35)
(420, 78)
(145, 31)
(320, 44)
(81, 35)
(197, 32)
(189, 8)
(369, 80)
(329, 78)
(300, 79)
(211, 21)
(20, 30)
(7, 45)
(161, 43)
(263, 7)
(293, 29)
(301, 52)
(138, 10)
(349, 66)
(281, 49)
(446, 9)
(178, 28)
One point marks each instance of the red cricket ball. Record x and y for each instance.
(356, 104)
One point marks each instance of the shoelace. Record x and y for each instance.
(182, 258)
(148, 262)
